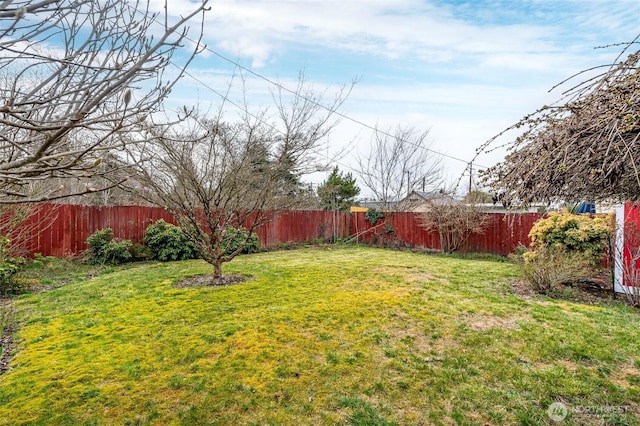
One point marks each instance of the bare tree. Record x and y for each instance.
(109, 171)
(455, 222)
(222, 180)
(73, 76)
(20, 224)
(398, 164)
(586, 147)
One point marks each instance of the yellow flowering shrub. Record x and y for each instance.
(574, 233)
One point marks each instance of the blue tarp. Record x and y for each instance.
(585, 207)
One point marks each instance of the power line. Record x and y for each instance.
(293, 92)
(338, 113)
(225, 98)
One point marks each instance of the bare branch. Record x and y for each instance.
(75, 76)
(397, 165)
(584, 149)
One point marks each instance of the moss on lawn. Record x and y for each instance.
(319, 336)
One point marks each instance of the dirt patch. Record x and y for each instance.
(594, 290)
(486, 323)
(212, 281)
(7, 326)
(625, 375)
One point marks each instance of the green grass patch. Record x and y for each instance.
(348, 335)
(51, 272)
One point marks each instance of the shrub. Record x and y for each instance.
(140, 252)
(373, 216)
(9, 267)
(574, 233)
(565, 246)
(104, 249)
(234, 237)
(168, 242)
(549, 267)
(116, 252)
(99, 239)
(455, 223)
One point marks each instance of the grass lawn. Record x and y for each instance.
(352, 335)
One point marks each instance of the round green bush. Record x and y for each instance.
(9, 267)
(104, 249)
(234, 237)
(168, 242)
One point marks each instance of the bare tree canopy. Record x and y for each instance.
(584, 149)
(455, 222)
(399, 163)
(73, 76)
(219, 176)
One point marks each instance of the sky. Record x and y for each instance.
(465, 70)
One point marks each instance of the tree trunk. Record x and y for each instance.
(217, 269)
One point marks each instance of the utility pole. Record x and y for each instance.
(470, 175)
(408, 183)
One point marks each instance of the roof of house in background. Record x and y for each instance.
(434, 198)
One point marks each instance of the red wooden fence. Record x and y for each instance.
(298, 226)
(504, 233)
(62, 229)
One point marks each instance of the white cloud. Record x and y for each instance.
(467, 70)
(379, 28)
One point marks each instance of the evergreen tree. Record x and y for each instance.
(338, 191)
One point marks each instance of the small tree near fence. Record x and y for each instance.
(455, 223)
(338, 192)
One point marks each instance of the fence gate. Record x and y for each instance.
(627, 249)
